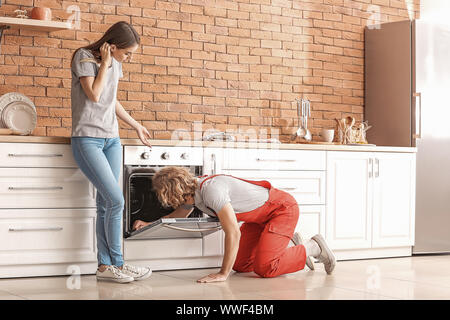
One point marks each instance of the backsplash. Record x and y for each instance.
(233, 66)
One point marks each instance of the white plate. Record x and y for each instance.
(10, 97)
(20, 116)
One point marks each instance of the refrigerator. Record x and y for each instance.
(407, 102)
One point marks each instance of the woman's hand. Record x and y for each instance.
(144, 135)
(138, 224)
(105, 51)
(214, 277)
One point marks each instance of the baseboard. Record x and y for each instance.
(373, 253)
(42, 270)
(180, 263)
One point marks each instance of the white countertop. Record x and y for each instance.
(220, 144)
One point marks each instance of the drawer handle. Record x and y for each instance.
(35, 188)
(279, 160)
(54, 155)
(288, 189)
(192, 230)
(35, 229)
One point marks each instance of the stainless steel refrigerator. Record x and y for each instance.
(407, 101)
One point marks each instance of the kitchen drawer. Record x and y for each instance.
(36, 155)
(273, 159)
(45, 188)
(307, 187)
(35, 236)
(162, 249)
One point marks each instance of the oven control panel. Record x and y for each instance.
(159, 155)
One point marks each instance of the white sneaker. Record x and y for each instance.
(112, 273)
(138, 273)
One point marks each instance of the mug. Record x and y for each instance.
(41, 13)
(327, 135)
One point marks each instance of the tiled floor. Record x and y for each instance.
(420, 277)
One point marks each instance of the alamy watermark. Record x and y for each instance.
(73, 282)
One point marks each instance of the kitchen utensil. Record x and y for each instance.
(20, 116)
(300, 131)
(4, 131)
(308, 136)
(340, 131)
(348, 122)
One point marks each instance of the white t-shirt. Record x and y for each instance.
(218, 191)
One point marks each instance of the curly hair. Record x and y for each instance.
(173, 184)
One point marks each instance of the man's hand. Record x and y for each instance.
(214, 277)
(138, 224)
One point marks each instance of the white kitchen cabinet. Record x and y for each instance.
(394, 200)
(311, 221)
(273, 159)
(36, 236)
(23, 155)
(47, 212)
(307, 187)
(301, 173)
(45, 188)
(370, 200)
(213, 244)
(349, 200)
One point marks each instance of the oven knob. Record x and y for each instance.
(184, 156)
(145, 155)
(165, 156)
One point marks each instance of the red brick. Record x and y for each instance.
(231, 65)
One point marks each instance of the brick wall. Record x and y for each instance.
(235, 66)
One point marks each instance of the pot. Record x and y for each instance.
(41, 13)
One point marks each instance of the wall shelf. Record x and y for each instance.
(33, 24)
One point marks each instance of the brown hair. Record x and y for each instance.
(121, 34)
(173, 184)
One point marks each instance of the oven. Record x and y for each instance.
(141, 202)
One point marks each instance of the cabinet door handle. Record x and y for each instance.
(418, 135)
(370, 168)
(54, 155)
(36, 229)
(35, 188)
(279, 160)
(377, 173)
(192, 230)
(213, 164)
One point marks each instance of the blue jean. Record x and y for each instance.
(100, 160)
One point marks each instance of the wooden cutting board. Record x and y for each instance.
(6, 132)
(319, 142)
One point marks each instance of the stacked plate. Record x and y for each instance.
(18, 113)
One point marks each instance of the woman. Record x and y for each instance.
(270, 216)
(96, 147)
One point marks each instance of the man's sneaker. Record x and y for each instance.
(297, 239)
(138, 273)
(112, 273)
(326, 255)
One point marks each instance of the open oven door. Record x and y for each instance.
(170, 228)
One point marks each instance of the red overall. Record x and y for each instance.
(266, 233)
